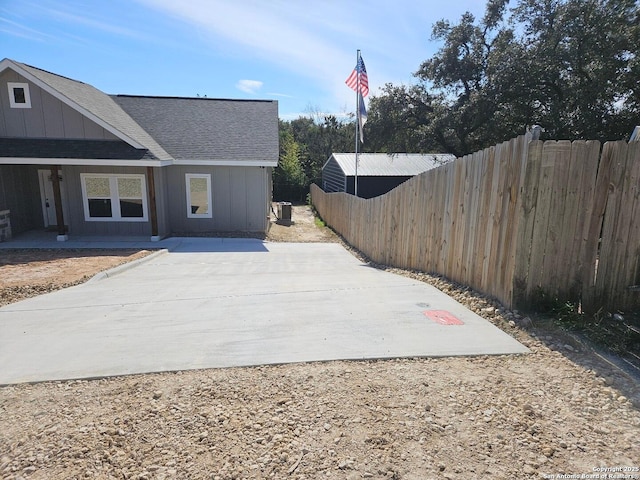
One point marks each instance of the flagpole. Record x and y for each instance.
(355, 189)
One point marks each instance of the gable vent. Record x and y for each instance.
(19, 96)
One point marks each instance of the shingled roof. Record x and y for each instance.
(207, 128)
(97, 103)
(161, 128)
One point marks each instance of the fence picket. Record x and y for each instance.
(514, 187)
(616, 226)
(556, 215)
(512, 221)
(611, 220)
(480, 253)
(528, 209)
(624, 255)
(629, 289)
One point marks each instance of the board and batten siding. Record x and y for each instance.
(333, 178)
(240, 200)
(76, 222)
(48, 117)
(20, 194)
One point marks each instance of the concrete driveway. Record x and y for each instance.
(236, 302)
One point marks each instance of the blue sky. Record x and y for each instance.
(294, 51)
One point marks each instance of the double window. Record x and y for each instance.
(198, 195)
(108, 197)
(123, 197)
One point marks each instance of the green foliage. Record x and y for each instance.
(550, 305)
(289, 179)
(305, 145)
(571, 66)
(587, 84)
(616, 333)
(398, 121)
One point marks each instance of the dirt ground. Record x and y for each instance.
(29, 272)
(302, 228)
(561, 411)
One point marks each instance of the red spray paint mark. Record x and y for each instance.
(443, 317)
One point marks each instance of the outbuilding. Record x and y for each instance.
(378, 173)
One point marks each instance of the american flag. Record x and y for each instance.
(352, 81)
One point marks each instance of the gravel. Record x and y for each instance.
(499, 417)
(561, 409)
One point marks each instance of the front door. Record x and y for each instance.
(47, 199)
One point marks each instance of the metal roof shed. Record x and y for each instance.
(378, 173)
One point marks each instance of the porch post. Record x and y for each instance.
(57, 199)
(153, 211)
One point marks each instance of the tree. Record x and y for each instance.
(469, 73)
(305, 145)
(571, 66)
(584, 57)
(289, 180)
(398, 121)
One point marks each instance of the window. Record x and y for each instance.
(119, 198)
(19, 96)
(198, 195)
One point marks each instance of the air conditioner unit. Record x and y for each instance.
(284, 212)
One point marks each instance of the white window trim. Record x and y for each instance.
(188, 178)
(12, 98)
(116, 215)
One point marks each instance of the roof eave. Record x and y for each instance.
(102, 162)
(227, 163)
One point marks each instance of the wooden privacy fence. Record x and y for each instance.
(517, 221)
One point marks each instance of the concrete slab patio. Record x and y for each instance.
(210, 303)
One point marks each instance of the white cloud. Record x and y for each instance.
(317, 41)
(309, 40)
(249, 86)
(19, 30)
(86, 20)
(283, 95)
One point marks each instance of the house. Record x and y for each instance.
(82, 162)
(378, 173)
